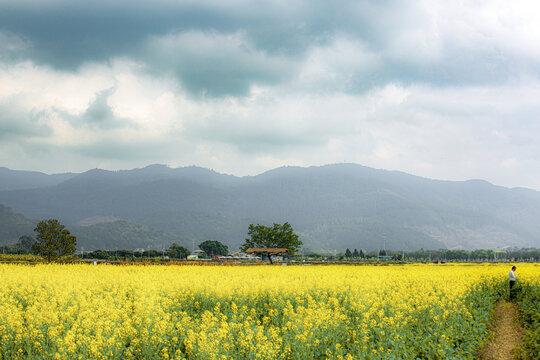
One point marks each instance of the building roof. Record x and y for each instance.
(267, 250)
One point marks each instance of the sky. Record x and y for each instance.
(441, 89)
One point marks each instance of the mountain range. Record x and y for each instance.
(330, 207)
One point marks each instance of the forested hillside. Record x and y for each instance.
(331, 207)
(124, 235)
(13, 226)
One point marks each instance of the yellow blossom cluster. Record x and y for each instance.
(249, 312)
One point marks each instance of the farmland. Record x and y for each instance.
(250, 312)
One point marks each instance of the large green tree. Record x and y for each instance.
(53, 240)
(176, 251)
(213, 247)
(276, 236)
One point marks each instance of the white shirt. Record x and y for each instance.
(512, 276)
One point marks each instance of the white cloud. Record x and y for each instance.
(42, 87)
(453, 133)
(439, 89)
(337, 66)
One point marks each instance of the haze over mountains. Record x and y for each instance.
(331, 207)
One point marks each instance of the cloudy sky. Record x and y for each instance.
(441, 89)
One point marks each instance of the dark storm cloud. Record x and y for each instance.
(214, 63)
(99, 110)
(16, 123)
(99, 114)
(277, 37)
(67, 33)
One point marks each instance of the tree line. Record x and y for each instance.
(526, 254)
(211, 249)
(54, 241)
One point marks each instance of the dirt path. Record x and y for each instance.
(507, 333)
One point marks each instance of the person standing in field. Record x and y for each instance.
(512, 277)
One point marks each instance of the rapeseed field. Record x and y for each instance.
(53, 311)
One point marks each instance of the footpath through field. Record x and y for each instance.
(507, 333)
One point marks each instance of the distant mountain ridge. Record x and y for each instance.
(331, 207)
(17, 180)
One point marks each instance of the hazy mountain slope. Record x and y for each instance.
(14, 180)
(332, 207)
(73, 201)
(459, 214)
(123, 235)
(13, 226)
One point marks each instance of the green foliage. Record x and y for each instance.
(23, 246)
(213, 247)
(348, 254)
(464, 331)
(99, 254)
(129, 255)
(528, 300)
(176, 251)
(277, 236)
(25, 243)
(526, 254)
(53, 240)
